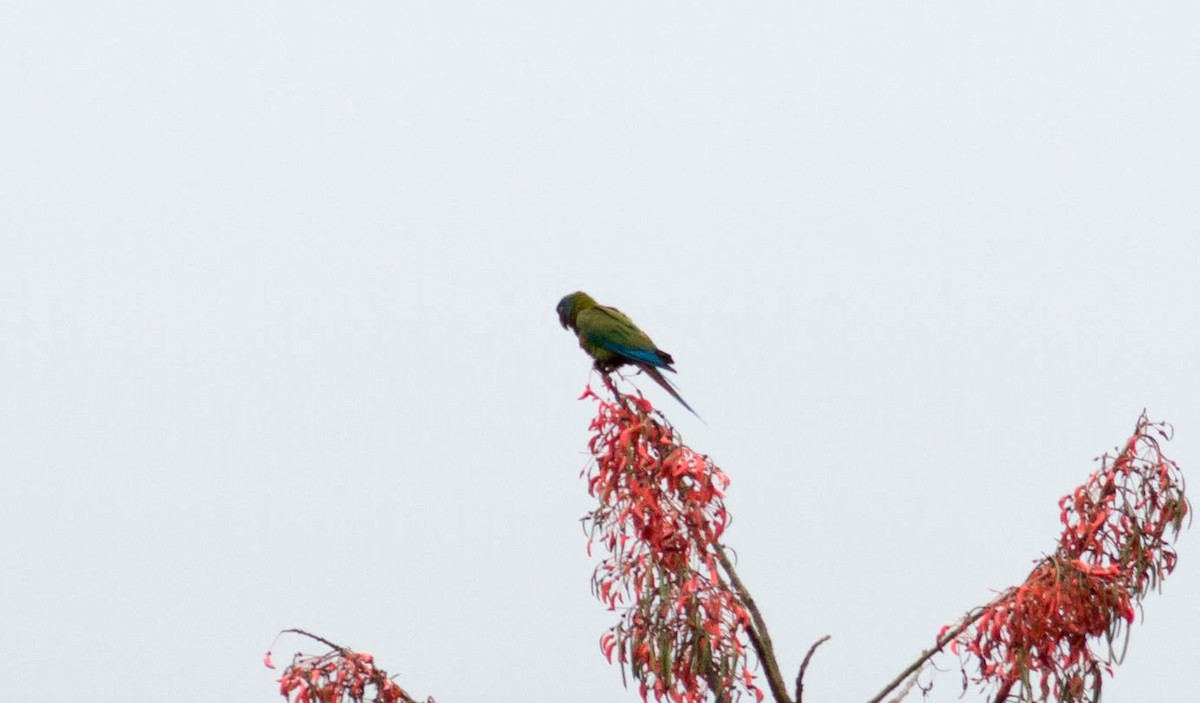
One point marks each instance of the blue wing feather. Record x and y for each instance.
(649, 356)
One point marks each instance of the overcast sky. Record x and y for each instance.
(279, 343)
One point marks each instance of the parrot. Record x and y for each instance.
(611, 338)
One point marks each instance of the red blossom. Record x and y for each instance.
(1116, 545)
(340, 675)
(661, 516)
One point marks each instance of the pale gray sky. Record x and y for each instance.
(278, 284)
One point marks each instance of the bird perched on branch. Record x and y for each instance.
(611, 338)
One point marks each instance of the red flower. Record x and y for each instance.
(1116, 544)
(660, 515)
(340, 674)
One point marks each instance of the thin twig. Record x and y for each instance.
(912, 680)
(968, 620)
(318, 638)
(757, 630)
(804, 667)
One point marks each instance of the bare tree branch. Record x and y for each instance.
(804, 667)
(947, 637)
(759, 638)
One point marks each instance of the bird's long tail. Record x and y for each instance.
(666, 385)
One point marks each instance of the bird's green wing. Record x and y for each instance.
(607, 334)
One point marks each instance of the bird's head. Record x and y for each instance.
(570, 306)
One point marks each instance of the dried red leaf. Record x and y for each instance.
(1118, 530)
(659, 514)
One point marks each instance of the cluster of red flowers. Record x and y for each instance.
(337, 676)
(660, 517)
(1115, 547)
